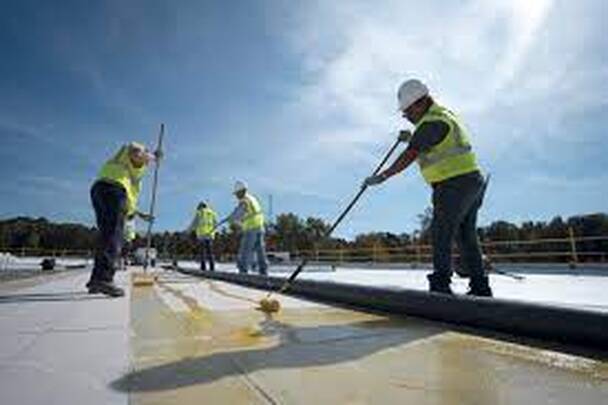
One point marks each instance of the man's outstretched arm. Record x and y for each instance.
(401, 163)
(428, 135)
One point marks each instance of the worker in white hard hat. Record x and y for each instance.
(204, 227)
(249, 216)
(440, 145)
(114, 195)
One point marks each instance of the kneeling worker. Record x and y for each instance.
(203, 225)
(441, 148)
(114, 196)
(249, 215)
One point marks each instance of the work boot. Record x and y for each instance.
(107, 288)
(439, 284)
(91, 287)
(480, 287)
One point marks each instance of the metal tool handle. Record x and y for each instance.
(341, 217)
(153, 199)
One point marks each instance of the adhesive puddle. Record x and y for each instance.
(329, 355)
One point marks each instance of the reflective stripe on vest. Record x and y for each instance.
(451, 157)
(254, 217)
(119, 170)
(206, 221)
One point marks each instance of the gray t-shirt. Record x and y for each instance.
(238, 213)
(429, 134)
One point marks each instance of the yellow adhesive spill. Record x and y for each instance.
(262, 329)
(548, 358)
(213, 287)
(347, 356)
(196, 312)
(255, 331)
(551, 358)
(199, 319)
(247, 336)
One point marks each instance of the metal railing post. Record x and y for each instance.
(574, 261)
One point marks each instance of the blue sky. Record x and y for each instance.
(298, 99)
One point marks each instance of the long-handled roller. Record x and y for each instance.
(146, 279)
(269, 305)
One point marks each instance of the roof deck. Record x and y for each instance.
(187, 340)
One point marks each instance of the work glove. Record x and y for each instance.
(373, 180)
(405, 135)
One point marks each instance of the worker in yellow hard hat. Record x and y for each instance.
(204, 226)
(441, 146)
(114, 195)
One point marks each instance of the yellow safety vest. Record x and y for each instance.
(120, 171)
(451, 157)
(254, 216)
(205, 222)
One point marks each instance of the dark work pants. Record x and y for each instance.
(109, 202)
(456, 202)
(207, 254)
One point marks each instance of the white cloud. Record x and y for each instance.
(482, 59)
(564, 183)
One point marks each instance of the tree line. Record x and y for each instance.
(291, 233)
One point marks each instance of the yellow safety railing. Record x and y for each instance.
(571, 250)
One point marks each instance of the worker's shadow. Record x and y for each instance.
(298, 347)
(49, 297)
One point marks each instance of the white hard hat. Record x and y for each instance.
(137, 147)
(239, 186)
(411, 91)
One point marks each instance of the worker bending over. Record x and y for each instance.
(441, 147)
(204, 225)
(114, 196)
(249, 215)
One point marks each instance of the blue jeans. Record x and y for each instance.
(455, 205)
(252, 242)
(206, 253)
